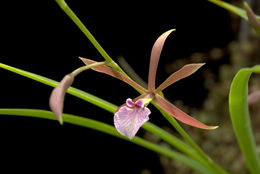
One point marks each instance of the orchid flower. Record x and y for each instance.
(131, 116)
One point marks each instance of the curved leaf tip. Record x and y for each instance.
(240, 117)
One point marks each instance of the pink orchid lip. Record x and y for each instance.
(130, 117)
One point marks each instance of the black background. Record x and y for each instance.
(38, 37)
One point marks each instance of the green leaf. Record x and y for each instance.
(238, 11)
(240, 117)
(105, 128)
(175, 142)
(246, 14)
(64, 6)
(102, 104)
(73, 91)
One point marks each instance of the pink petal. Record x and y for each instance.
(154, 60)
(56, 100)
(130, 103)
(128, 120)
(178, 114)
(109, 71)
(185, 71)
(139, 103)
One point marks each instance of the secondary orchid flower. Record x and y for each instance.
(131, 116)
(56, 100)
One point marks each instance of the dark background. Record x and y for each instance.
(38, 37)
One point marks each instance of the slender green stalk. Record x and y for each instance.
(190, 141)
(63, 5)
(183, 133)
(186, 136)
(234, 9)
(231, 8)
(247, 14)
(99, 126)
(240, 117)
(175, 142)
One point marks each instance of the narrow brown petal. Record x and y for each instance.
(109, 71)
(178, 114)
(185, 71)
(154, 59)
(56, 100)
(255, 23)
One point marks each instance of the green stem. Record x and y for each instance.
(96, 125)
(63, 5)
(175, 142)
(190, 141)
(186, 136)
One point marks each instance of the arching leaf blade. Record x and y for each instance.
(239, 112)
